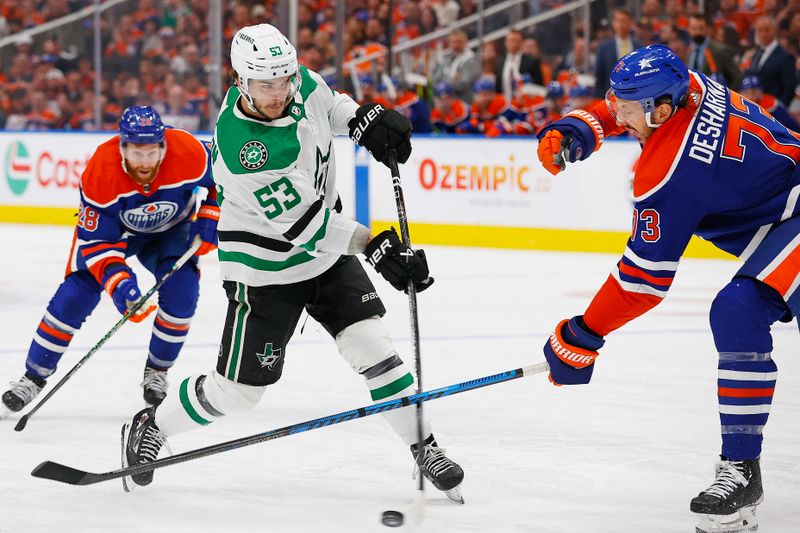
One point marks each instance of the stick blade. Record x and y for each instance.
(62, 473)
(21, 423)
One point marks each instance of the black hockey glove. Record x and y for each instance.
(397, 263)
(379, 130)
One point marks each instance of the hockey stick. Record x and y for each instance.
(73, 476)
(138, 305)
(402, 218)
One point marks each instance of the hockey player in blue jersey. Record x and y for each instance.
(717, 165)
(137, 199)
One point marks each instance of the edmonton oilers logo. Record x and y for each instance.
(253, 155)
(149, 217)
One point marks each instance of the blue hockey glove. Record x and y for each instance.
(570, 351)
(571, 138)
(124, 291)
(206, 227)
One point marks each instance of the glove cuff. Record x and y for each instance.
(113, 280)
(574, 356)
(594, 125)
(209, 211)
(577, 333)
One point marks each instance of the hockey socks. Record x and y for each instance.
(204, 399)
(746, 384)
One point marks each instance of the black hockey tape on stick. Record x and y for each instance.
(74, 476)
(138, 305)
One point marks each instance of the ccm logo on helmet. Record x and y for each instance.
(366, 121)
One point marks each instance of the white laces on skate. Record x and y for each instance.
(729, 477)
(434, 461)
(155, 380)
(152, 441)
(25, 389)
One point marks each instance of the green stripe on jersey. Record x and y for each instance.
(237, 340)
(392, 388)
(312, 244)
(187, 405)
(256, 263)
(307, 83)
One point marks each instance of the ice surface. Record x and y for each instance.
(625, 453)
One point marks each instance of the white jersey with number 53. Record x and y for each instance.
(276, 186)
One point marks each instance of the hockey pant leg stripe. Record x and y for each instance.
(243, 311)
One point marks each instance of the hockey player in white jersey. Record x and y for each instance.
(284, 247)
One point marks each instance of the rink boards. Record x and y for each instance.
(459, 190)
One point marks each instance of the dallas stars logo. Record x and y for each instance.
(645, 63)
(269, 357)
(253, 155)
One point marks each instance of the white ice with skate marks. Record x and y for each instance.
(626, 453)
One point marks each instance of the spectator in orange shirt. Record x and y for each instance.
(449, 112)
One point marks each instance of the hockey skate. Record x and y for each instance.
(445, 474)
(141, 442)
(729, 504)
(21, 394)
(154, 385)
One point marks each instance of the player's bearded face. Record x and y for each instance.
(630, 115)
(270, 97)
(142, 161)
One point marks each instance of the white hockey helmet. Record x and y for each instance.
(262, 52)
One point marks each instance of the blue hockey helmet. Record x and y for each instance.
(141, 125)
(443, 89)
(483, 85)
(647, 74)
(581, 91)
(750, 82)
(555, 90)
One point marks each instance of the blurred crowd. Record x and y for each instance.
(157, 53)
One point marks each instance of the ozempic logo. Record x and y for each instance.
(18, 167)
(253, 155)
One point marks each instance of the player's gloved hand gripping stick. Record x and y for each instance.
(132, 311)
(567, 139)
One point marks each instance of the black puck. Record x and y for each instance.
(392, 518)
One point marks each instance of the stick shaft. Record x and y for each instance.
(402, 218)
(65, 474)
(178, 264)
